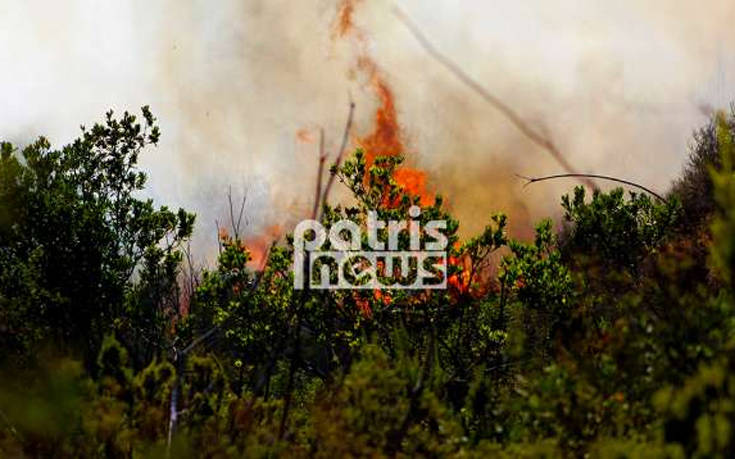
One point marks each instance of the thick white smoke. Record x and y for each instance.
(619, 86)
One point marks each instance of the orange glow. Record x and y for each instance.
(222, 234)
(364, 306)
(460, 282)
(304, 135)
(383, 297)
(414, 182)
(469, 281)
(259, 245)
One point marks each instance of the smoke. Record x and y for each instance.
(618, 86)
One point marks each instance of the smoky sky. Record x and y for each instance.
(619, 86)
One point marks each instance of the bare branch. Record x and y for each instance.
(192, 279)
(180, 364)
(340, 153)
(242, 209)
(219, 241)
(320, 172)
(530, 180)
(232, 216)
(532, 134)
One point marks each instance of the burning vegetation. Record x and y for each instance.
(612, 337)
(385, 137)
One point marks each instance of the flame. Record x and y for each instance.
(460, 282)
(383, 297)
(363, 305)
(386, 137)
(344, 24)
(259, 245)
(470, 280)
(222, 234)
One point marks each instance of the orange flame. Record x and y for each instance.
(460, 282)
(363, 305)
(259, 245)
(344, 24)
(385, 139)
(470, 280)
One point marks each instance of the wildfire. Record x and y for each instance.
(256, 246)
(460, 282)
(259, 245)
(344, 24)
(385, 138)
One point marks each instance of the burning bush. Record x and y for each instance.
(617, 339)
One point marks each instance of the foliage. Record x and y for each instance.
(613, 338)
(695, 188)
(699, 414)
(73, 234)
(618, 232)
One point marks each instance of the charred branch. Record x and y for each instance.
(530, 180)
(340, 154)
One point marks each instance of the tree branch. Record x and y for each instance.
(340, 154)
(530, 180)
(320, 172)
(532, 134)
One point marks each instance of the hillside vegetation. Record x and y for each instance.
(610, 338)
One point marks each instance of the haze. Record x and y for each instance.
(619, 86)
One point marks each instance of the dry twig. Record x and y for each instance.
(340, 154)
(530, 180)
(320, 172)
